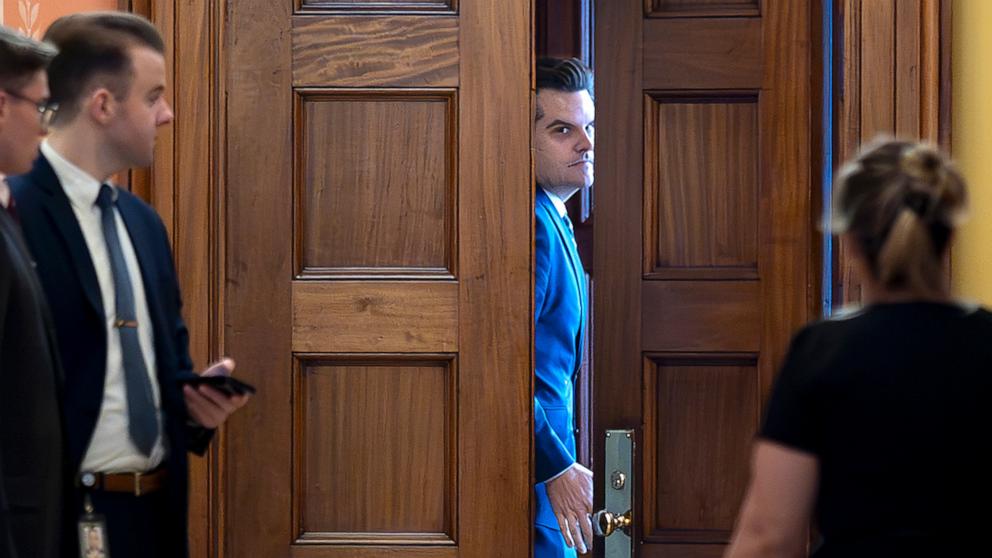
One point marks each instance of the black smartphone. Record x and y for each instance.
(227, 385)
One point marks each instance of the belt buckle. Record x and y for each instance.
(137, 484)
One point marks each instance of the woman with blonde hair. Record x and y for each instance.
(878, 426)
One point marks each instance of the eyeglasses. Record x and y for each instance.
(46, 108)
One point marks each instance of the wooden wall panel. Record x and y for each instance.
(390, 6)
(701, 413)
(381, 422)
(701, 185)
(894, 79)
(359, 51)
(351, 316)
(376, 191)
(717, 53)
(702, 8)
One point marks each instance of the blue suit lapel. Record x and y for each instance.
(578, 274)
(58, 207)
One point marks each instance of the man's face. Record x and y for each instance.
(21, 131)
(133, 130)
(564, 137)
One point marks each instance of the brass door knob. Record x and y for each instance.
(606, 523)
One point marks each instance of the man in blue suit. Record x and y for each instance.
(563, 163)
(104, 261)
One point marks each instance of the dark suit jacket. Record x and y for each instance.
(559, 319)
(69, 280)
(31, 446)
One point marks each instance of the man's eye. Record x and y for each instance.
(563, 130)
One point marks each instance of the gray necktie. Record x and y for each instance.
(141, 414)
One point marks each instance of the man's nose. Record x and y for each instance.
(585, 142)
(167, 115)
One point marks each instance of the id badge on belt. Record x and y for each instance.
(92, 532)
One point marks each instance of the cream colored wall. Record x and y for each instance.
(32, 17)
(972, 144)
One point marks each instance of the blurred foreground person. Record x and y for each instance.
(878, 424)
(31, 456)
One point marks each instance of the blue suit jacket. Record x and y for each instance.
(70, 284)
(559, 319)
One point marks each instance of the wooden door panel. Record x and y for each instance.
(699, 419)
(388, 317)
(379, 211)
(701, 315)
(384, 418)
(702, 262)
(346, 51)
(377, 182)
(702, 8)
(412, 6)
(701, 53)
(701, 184)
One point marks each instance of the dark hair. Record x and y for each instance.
(94, 53)
(562, 74)
(21, 58)
(901, 200)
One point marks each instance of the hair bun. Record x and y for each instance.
(924, 163)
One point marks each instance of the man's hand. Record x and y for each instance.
(571, 498)
(208, 406)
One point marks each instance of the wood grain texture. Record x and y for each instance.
(895, 82)
(389, 420)
(702, 8)
(363, 316)
(707, 53)
(377, 6)
(878, 77)
(700, 415)
(740, 72)
(302, 550)
(786, 235)
(258, 266)
(376, 182)
(365, 51)
(701, 185)
(496, 333)
(701, 315)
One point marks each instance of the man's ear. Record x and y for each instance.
(100, 105)
(4, 105)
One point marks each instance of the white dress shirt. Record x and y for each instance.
(111, 450)
(556, 201)
(4, 192)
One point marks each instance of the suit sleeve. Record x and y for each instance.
(197, 437)
(6, 537)
(550, 454)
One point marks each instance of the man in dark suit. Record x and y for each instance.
(105, 264)
(31, 456)
(563, 163)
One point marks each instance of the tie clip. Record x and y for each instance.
(126, 323)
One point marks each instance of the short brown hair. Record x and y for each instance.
(901, 200)
(569, 75)
(94, 53)
(21, 58)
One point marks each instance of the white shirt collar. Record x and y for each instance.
(556, 201)
(4, 192)
(81, 188)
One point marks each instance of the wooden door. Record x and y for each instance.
(378, 214)
(705, 127)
